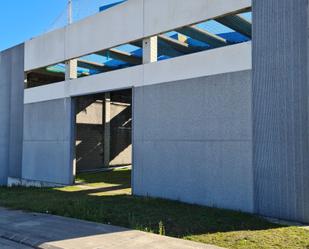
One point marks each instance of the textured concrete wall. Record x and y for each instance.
(120, 142)
(11, 112)
(89, 133)
(280, 108)
(193, 141)
(47, 146)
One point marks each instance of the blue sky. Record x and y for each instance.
(22, 19)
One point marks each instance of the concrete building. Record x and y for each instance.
(217, 118)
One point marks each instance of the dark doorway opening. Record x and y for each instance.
(103, 131)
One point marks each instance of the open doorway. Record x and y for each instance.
(103, 134)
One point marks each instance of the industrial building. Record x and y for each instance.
(207, 100)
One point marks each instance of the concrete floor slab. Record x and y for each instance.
(53, 232)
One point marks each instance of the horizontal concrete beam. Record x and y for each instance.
(217, 61)
(204, 36)
(177, 45)
(163, 48)
(93, 65)
(237, 23)
(122, 56)
(139, 19)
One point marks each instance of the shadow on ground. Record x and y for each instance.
(105, 197)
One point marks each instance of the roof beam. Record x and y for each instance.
(178, 45)
(93, 65)
(46, 72)
(204, 36)
(163, 48)
(138, 43)
(237, 23)
(122, 56)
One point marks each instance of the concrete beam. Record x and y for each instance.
(93, 65)
(44, 71)
(163, 48)
(122, 56)
(178, 45)
(237, 23)
(204, 36)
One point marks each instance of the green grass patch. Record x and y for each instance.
(105, 198)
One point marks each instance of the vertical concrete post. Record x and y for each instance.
(107, 128)
(150, 49)
(71, 73)
(71, 69)
(280, 109)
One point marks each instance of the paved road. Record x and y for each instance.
(54, 232)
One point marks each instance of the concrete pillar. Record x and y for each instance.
(280, 109)
(150, 50)
(71, 69)
(107, 128)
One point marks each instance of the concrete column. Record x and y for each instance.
(107, 128)
(150, 50)
(280, 109)
(71, 69)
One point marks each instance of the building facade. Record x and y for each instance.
(208, 100)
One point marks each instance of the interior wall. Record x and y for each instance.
(89, 133)
(11, 112)
(121, 128)
(193, 141)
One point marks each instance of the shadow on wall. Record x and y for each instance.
(90, 127)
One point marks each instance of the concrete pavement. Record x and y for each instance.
(42, 231)
(7, 244)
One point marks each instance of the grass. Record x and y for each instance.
(105, 197)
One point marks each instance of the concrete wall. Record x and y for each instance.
(47, 145)
(11, 112)
(280, 108)
(193, 141)
(121, 145)
(121, 128)
(89, 133)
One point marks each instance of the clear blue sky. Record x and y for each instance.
(23, 19)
